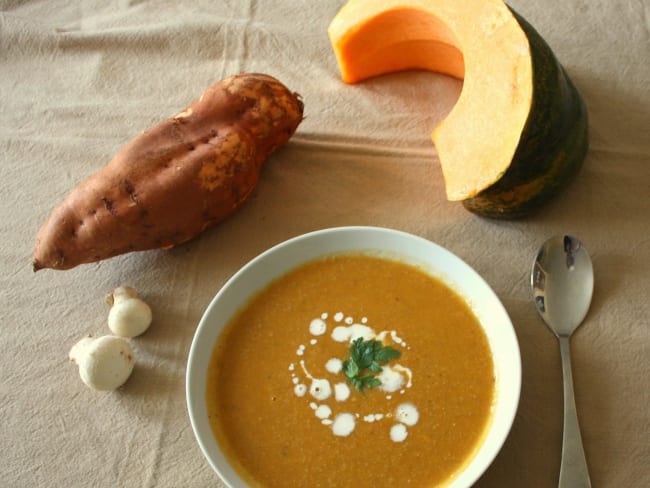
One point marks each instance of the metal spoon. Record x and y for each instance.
(562, 279)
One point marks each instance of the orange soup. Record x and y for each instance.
(351, 371)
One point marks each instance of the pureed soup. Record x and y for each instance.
(351, 371)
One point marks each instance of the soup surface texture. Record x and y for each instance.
(286, 414)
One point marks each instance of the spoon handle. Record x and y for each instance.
(573, 469)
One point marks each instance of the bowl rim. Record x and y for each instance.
(272, 263)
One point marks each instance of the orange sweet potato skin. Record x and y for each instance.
(175, 180)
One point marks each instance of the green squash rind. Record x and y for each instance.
(552, 146)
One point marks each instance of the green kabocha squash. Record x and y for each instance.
(517, 134)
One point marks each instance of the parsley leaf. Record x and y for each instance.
(364, 362)
(350, 368)
(386, 354)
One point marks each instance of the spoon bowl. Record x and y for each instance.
(562, 280)
(563, 283)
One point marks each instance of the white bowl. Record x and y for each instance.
(434, 259)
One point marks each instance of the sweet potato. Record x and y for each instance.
(175, 180)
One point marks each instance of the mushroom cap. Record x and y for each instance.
(129, 317)
(105, 363)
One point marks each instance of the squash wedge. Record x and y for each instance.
(518, 132)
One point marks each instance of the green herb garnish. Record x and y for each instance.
(364, 362)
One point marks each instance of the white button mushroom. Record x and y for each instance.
(105, 363)
(129, 315)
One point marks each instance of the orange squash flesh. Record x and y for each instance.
(479, 41)
(382, 45)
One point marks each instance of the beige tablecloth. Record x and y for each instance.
(79, 79)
